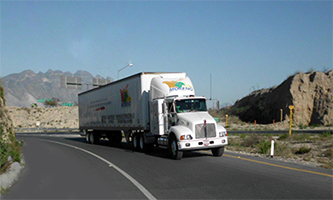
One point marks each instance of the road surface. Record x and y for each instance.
(66, 167)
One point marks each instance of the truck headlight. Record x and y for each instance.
(223, 133)
(186, 137)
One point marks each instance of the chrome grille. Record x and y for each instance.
(200, 130)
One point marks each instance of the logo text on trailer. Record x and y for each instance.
(125, 98)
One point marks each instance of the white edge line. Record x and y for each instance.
(135, 182)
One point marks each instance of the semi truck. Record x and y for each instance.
(151, 110)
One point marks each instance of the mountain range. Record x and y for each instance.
(25, 88)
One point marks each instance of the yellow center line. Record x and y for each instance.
(291, 168)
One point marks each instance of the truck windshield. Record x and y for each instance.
(190, 105)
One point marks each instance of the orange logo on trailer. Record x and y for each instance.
(125, 98)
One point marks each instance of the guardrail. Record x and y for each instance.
(44, 130)
(309, 131)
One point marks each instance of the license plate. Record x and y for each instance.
(206, 142)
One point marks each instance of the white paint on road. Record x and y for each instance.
(110, 164)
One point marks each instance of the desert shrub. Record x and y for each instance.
(243, 136)
(3, 156)
(303, 150)
(284, 136)
(264, 146)
(231, 142)
(251, 141)
(301, 137)
(302, 126)
(282, 149)
(11, 147)
(326, 134)
(328, 153)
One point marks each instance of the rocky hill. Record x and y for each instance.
(310, 93)
(23, 89)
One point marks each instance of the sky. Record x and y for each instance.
(242, 45)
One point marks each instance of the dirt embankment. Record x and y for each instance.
(56, 117)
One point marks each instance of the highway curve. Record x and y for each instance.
(66, 167)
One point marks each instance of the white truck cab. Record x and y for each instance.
(181, 119)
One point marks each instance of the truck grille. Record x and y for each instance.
(200, 130)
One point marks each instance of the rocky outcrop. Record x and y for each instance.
(6, 124)
(310, 93)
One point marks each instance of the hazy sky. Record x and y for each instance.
(244, 45)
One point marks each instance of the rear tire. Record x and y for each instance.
(142, 145)
(173, 149)
(94, 137)
(135, 141)
(87, 137)
(218, 152)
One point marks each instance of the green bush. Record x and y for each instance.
(12, 148)
(264, 146)
(243, 136)
(302, 126)
(284, 136)
(326, 134)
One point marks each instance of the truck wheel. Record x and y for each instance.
(94, 138)
(135, 141)
(141, 142)
(87, 137)
(218, 152)
(173, 149)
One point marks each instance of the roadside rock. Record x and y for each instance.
(310, 94)
(7, 179)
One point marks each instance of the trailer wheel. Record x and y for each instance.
(141, 142)
(94, 138)
(218, 152)
(135, 141)
(87, 137)
(173, 149)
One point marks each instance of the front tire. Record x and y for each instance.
(173, 149)
(218, 152)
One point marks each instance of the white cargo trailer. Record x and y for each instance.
(151, 110)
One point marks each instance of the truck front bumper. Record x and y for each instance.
(204, 143)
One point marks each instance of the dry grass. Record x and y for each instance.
(313, 149)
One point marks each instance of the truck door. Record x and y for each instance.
(157, 120)
(165, 118)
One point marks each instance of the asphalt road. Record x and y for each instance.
(66, 167)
